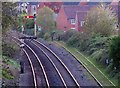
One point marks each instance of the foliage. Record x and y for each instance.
(94, 45)
(6, 74)
(97, 42)
(20, 20)
(102, 20)
(29, 24)
(114, 51)
(8, 49)
(94, 40)
(45, 19)
(8, 16)
(46, 36)
(68, 34)
(29, 31)
(10, 62)
(74, 40)
(100, 56)
(41, 34)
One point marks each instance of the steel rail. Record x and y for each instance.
(33, 71)
(60, 62)
(47, 82)
(31, 65)
(52, 64)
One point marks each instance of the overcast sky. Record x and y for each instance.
(59, 0)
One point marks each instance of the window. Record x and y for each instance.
(34, 8)
(73, 28)
(72, 21)
(82, 23)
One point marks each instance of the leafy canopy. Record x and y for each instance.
(115, 51)
(45, 18)
(101, 19)
(9, 14)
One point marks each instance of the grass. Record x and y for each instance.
(97, 71)
(6, 74)
(11, 62)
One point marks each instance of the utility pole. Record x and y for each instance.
(35, 26)
(22, 29)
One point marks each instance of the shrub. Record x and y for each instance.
(8, 50)
(67, 35)
(114, 51)
(29, 31)
(29, 24)
(97, 55)
(41, 34)
(101, 19)
(74, 40)
(46, 36)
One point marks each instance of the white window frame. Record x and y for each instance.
(73, 28)
(73, 21)
(82, 23)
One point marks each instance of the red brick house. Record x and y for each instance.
(80, 19)
(70, 17)
(73, 16)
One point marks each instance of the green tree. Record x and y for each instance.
(8, 16)
(114, 51)
(29, 23)
(20, 21)
(101, 19)
(45, 18)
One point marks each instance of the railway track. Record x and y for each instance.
(34, 63)
(67, 75)
(40, 43)
(64, 75)
(31, 66)
(71, 81)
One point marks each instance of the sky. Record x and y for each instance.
(58, 0)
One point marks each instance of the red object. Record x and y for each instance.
(62, 22)
(29, 16)
(66, 13)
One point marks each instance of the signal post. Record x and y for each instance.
(35, 26)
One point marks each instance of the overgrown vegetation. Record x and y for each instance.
(98, 34)
(8, 50)
(10, 66)
(9, 14)
(8, 63)
(114, 52)
(46, 20)
(101, 19)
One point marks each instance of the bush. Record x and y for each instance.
(97, 55)
(41, 34)
(8, 50)
(46, 36)
(97, 42)
(114, 51)
(67, 35)
(74, 40)
(100, 19)
(29, 24)
(109, 68)
(29, 31)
